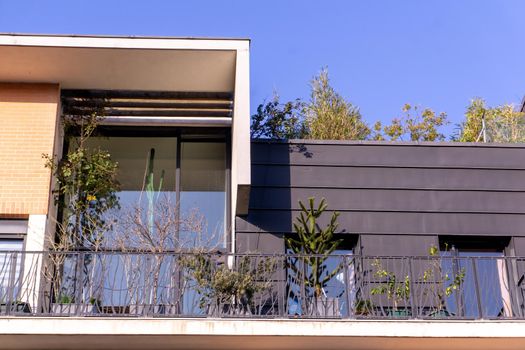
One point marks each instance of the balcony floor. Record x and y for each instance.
(113, 333)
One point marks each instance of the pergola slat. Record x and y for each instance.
(148, 103)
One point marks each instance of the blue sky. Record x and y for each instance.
(380, 54)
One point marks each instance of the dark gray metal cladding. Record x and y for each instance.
(387, 189)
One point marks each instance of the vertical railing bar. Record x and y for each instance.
(511, 265)
(476, 287)
(42, 284)
(11, 284)
(302, 294)
(282, 287)
(347, 285)
(78, 283)
(520, 297)
(504, 282)
(459, 297)
(411, 286)
(179, 275)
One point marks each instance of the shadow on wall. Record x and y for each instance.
(301, 148)
(269, 215)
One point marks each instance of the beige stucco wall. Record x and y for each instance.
(28, 114)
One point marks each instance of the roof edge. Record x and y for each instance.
(392, 143)
(121, 36)
(122, 42)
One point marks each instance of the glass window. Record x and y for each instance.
(182, 178)
(478, 277)
(167, 179)
(203, 190)
(7, 247)
(146, 167)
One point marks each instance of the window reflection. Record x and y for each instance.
(483, 290)
(146, 167)
(203, 189)
(147, 173)
(8, 247)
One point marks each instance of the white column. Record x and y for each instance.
(241, 162)
(32, 261)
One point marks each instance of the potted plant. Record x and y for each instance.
(396, 289)
(66, 306)
(363, 307)
(308, 269)
(224, 290)
(435, 284)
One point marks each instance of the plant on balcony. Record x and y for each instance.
(434, 282)
(313, 245)
(396, 289)
(84, 193)
(441, 284)
(224, 290)
(65, 305)
(362, 307)
(165, 254)
(86, 185)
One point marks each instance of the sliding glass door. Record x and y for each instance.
(172, 185)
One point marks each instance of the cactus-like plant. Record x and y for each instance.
(314, 244)
(149, 186)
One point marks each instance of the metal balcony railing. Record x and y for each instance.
(140, 284)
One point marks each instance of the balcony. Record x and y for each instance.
(256, 286)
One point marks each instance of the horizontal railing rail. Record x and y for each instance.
(197, 284)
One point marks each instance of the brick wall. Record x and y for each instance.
(28, 115)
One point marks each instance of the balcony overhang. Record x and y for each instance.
(120, 63)
(145, 64)
(89, 333)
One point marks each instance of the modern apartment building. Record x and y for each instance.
(431, 236)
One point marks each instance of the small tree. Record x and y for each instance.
(442, 284)
(414, 125)
(434, 282)
(491, 124)
(276, 120)
(224, 290)
(329, 116)
(396, 289)
(150, 237)
(314, 244)
(86, 185)
(85, 191)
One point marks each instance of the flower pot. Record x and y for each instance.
(362, 308)
(399, 313)
(14, 307)
(322, 307)
(440, 314)
(74, 309)
(151, 310)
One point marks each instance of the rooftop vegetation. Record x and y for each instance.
(327, 115)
